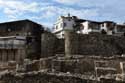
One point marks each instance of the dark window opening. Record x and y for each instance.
(56, 27)
(124, 34)
(17, 34)
(64, 24)
(14, 54)
(102, 25)
(28, 40)
(103, 31)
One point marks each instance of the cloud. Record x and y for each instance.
(67, 1)
(51, 11)
(18, 5)
(48, 11)
(50, 14)
(106, 8)
(13, 7)
(84, 3)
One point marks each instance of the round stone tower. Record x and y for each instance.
(71, 43)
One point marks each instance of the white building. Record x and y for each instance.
(107, 27)
(89, 27)
(64, 23)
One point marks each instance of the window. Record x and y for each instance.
(17, 34)
(109, 24)
(103, 31)
(14, 54)
(124, 34)
(69, 19)
(1, 55)
(81, 27)
(56, 27)
(64, 24)
(63, 35)
(28, 40)
(7, 57)
(102, 25)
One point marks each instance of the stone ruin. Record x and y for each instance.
(63, 70)
(76, 59)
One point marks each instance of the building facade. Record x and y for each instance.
(63, 23)
(87, 26)
(120, 29)
(19, 40)
(106, 27)
(12, 48)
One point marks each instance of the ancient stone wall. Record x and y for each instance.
(79, 66)
(41, 78)
(48, 44)
(60, 46)
(93, 44)
(51, 45)
(79, 44)
(106, 67)
(36, 77)
(63, 69)
(71, 43)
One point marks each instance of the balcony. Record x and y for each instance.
(11, 46)
(12, 42)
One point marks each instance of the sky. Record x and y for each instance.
(46, 12)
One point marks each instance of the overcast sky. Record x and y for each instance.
(46, 12)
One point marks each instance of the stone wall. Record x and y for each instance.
(41, 78)
(9, 66)
(51, 45)
(79, 66)
(79, 44)
(61, 69)
(38, 77)
(107, 67)
(93, 44)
